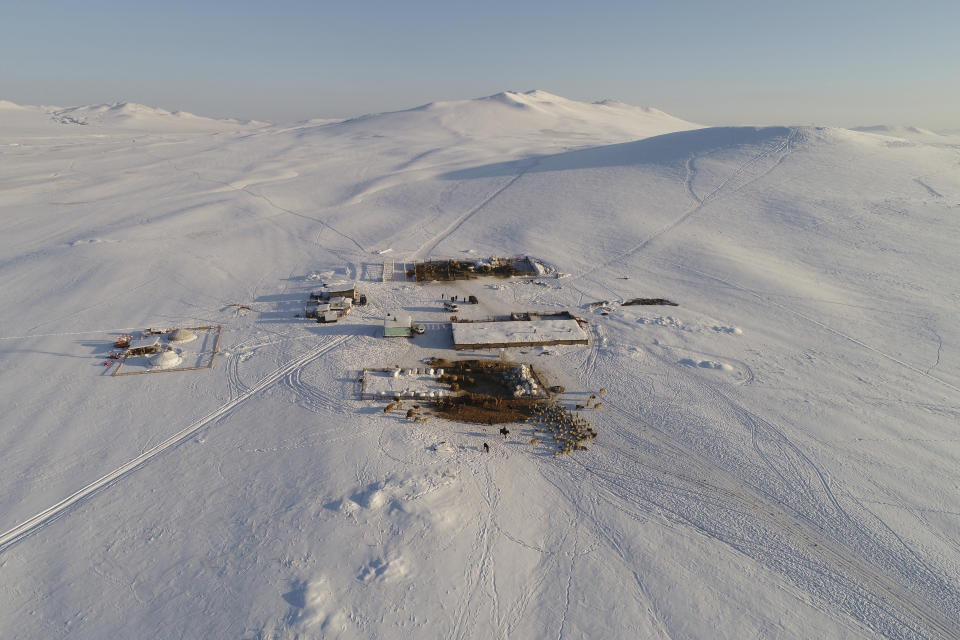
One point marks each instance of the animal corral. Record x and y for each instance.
(151, 353)
(477, 391)
(454, 269)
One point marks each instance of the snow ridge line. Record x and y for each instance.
(32, 525)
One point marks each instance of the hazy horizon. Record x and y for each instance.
(745, 63)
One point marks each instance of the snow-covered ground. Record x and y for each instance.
(776, 455)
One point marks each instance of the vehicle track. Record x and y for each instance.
(715, 490)
(314, 399)
(48, 515)
(796, 526)
(768, 300)
(465, 616)
(246, 189)
(807, 491)
(781, 150)
(567, 589)
(431, 244)
(237, 387)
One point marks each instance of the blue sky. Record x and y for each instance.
(733, 62)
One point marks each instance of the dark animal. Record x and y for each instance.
(486, 447)
(504, 432)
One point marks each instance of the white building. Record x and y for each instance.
(517, 333)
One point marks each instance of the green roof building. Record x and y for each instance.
(395, 326)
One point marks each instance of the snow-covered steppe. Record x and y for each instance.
(777, 455)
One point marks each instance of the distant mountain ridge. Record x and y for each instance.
(907, 132)
(120, 115)
(132, 113)
(531, 116)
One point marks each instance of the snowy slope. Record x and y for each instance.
(535, 113)
(776, 455)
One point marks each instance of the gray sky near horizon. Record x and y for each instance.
(736, 62)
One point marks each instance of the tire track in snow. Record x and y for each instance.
(48, 515)
(465, 615)
(586, 371)
(313, 398)
(730, 493)
(566, 604)
(427, 247)
(826, 327)
(809, 484)
(783, 149)
(791, 458)
(245, 188)
(237, 387)
(534, 584)
(656, 618)
(325, 224)
(789, 539)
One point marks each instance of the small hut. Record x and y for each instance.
(145, 345)
(396, 326)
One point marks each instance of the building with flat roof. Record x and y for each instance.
(498, 334)
(145, 345)
(397, 326)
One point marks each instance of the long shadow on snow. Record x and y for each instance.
(668, 149)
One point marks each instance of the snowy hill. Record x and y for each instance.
(531, 116)
(776, 455)
(914, 134)
(900, 131)
(113, 117)
(133, 116)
